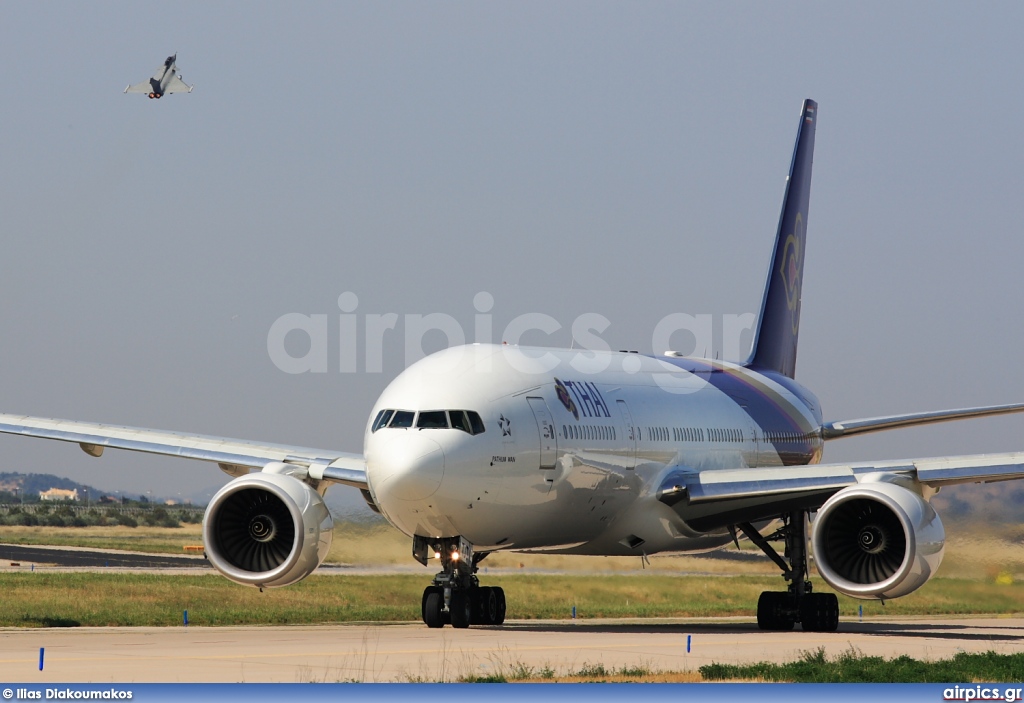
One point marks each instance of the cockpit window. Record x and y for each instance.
(465, 420)
(459, 420)
(402, 418)
(382, 419)
(432, 419)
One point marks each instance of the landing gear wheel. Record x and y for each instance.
(775, 611)
(433, 603)
(499, 594)
(819, 612)
(461, 609)
(423, 601)
(485, 606)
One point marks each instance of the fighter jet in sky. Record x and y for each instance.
(165, 80)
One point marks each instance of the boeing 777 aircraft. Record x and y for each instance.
(483, 448)
(165, 80)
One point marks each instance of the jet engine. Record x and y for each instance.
(267, 529)
(877, 540)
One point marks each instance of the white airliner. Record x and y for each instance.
(483, 448)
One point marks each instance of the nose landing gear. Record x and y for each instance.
(456, 597)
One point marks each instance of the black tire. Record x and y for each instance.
(485, 606)
(423, 601)
(433, 603)
(819, 612)
(476, 605)
(499, 595)
(461, 609)
(775, 611)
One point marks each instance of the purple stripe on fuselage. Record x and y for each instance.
(782, 424)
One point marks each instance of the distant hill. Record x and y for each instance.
(31, 484)
(26, 484)
(344, 503)
(992, 502)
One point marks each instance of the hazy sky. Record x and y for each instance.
(626, 159)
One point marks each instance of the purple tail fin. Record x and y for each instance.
(778, 327)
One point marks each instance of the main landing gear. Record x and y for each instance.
(816, 612)
(456, 596)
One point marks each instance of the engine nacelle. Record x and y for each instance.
(267, 530)
(877, 540)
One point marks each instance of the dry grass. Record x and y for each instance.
(984, 551)
(381, 544)
(157, 540)
(654, 677)
(975, 551)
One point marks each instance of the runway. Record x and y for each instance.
(78, 557)
(386, 653)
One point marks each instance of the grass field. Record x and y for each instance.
(852, 666)
(155, 540)
(55, 599)
(813, 667)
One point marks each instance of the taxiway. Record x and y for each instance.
(411, 652)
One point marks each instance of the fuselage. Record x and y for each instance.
(161, 80)
(540, 449)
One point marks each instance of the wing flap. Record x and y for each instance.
(731, 484)
(339, 467)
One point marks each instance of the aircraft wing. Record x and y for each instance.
(150, 84)
(846, 428)
(717, 498)
(143, 87)
(176, 85)
(234, 456)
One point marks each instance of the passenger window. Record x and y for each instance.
(402, 418)
(475, 423)
(432, 420)
(382, 419)
(459, 420)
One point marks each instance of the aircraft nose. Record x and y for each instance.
(408, 466)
